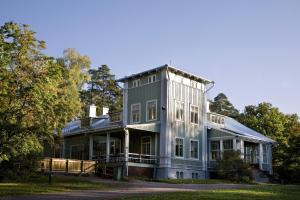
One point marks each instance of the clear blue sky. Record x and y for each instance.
(251, 49)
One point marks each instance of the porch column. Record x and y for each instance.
(63, 149)
(155, 145)
(91, 153)
(126, 150)
(107, 146)
(260, 156)
(269, 155)
(242, 149)
(221, 148)
(234, 144)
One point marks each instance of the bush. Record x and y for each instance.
(20, 168)
(232, 167)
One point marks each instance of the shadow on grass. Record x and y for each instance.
(259, 192)
(39, 185)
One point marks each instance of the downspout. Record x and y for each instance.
(205, 138)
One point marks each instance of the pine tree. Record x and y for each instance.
(103, 90)
(223, 106)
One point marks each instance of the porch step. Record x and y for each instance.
(260, 176)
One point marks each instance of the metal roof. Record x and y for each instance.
(170, 68)
(234, 126)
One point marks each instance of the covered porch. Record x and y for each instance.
(135, 149)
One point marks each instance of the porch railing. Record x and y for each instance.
(132, 157)
(142, 158)
(216, 119)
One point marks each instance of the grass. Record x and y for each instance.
(39, 185)
(258, 192)
(195, 181)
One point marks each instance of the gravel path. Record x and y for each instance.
(126, 189)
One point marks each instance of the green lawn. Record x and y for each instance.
(195, 181)
(40, 185)
(259, 192)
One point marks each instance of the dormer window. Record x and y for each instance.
(136, 83)
(151, 79)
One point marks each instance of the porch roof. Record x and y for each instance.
(236, 128)
(104, 124)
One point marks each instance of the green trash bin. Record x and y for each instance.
(117, 174)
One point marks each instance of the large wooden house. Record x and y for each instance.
(165, 130)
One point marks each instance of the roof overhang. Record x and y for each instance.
(171, 69)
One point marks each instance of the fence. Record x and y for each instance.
(67, 165)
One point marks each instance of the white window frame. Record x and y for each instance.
(150, 120)
(136, 83)
(182, 147)
(131, 115)
(192, 105)
(151, 78)
(224, 145)
(182, 103)
(194, 140)
(142, 145)
(210, 149)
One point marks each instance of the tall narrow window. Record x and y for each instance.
(135, 113)
(146, 145)
(194, 149)
(264, 153)
(179, 110)
(151, 110)
(151, 78)
(136, 83)
(194, 114)
(215, 150)
(179, 147)
(227, 145)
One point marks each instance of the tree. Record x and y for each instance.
(38, 94)
(102, 90)
(284, 129)
(223, 106)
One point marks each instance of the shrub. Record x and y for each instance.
(232, 167)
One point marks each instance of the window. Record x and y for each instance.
(135, 113)
(193, 84)
(215, 150)
(146, 145)
(227, 145)
(151, 78)
(151, 110)
(179, 110)
(179, 147)
(179, 175)
(194, 175)
(194, 114)
(136, 83)
(112, 147)
(264, 153)
(194, 149)
(77, 152)
(99, 148)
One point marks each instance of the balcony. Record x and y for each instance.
(216, 119)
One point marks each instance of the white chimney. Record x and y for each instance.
(105, 111)
(92, 111)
